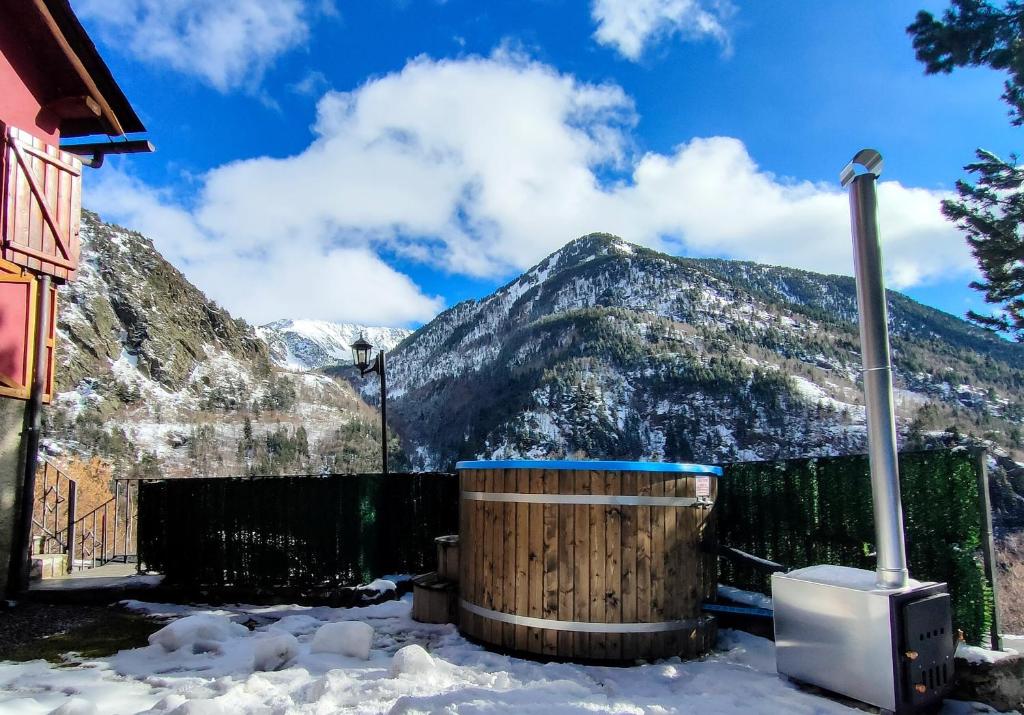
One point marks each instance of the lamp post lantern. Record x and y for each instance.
(361, 358)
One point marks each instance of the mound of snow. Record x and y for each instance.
(351, 638)
(297, 625)
(273, 651)
(976, 655)
(199, 707)
(198, 631)
(412, 660)
(379, 584)
(76, 706)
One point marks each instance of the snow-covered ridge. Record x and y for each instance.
(311, 344)
(726, 361)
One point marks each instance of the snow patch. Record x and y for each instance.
(349, 638)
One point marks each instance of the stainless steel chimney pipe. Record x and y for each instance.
(860, 175)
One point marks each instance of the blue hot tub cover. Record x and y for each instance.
(596, 465)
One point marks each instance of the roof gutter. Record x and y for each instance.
(93, 153)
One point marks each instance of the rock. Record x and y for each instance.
(990, 677)
(412, 660)
(351, 638)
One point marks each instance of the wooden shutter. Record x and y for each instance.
(18, 291)
(49, 390)
(42, 205)
(19, 301)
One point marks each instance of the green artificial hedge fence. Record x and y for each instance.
(295, 532)
(811, 511)
(341, 530)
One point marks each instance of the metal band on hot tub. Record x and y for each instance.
(585, 499)
(582, 626)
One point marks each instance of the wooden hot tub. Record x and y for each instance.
(588, 560)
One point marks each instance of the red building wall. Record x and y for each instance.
(21, 86)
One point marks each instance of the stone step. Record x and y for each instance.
(46, 566)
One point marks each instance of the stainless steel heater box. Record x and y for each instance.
(891, 648)
(876, 635)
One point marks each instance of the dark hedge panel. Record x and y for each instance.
(809, 511)
(299, 532)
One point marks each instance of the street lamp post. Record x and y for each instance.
(361, 357)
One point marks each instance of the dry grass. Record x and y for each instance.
(1010, 559)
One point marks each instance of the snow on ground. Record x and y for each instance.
(204, 664)
(977, 655)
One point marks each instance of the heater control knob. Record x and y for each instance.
(911, 655)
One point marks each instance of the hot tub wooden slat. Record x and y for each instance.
(487, 572)
(536, 560)
(479, 484)
(643, 562)
(522, 598)
(549, 636)
(613, 570)
(682, 556)
(598, 641)
(567, 562)
(508, 594)
(629, 529)
(497, 536)
(581, 565)
(657, 551)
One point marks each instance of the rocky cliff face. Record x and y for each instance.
(130, 304)
(154, 375)
(606, 349)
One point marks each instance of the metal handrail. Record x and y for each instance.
(92, 529)
(88, 540)
(52, 504)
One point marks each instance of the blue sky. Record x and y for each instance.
(314, 152)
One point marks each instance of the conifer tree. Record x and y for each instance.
(991, 214)
(978, 33)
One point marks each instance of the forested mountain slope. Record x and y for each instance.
(607, 349)
(155, 377)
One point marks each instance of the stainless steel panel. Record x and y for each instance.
(835, 637)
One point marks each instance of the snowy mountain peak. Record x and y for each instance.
(311, 344)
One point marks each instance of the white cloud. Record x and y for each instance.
(313, 83)
(629, 25)
(226, 43)
(482, 166)
(275, 280)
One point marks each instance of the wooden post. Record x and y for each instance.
(988, 548)
(69, 547)
(382, 369)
